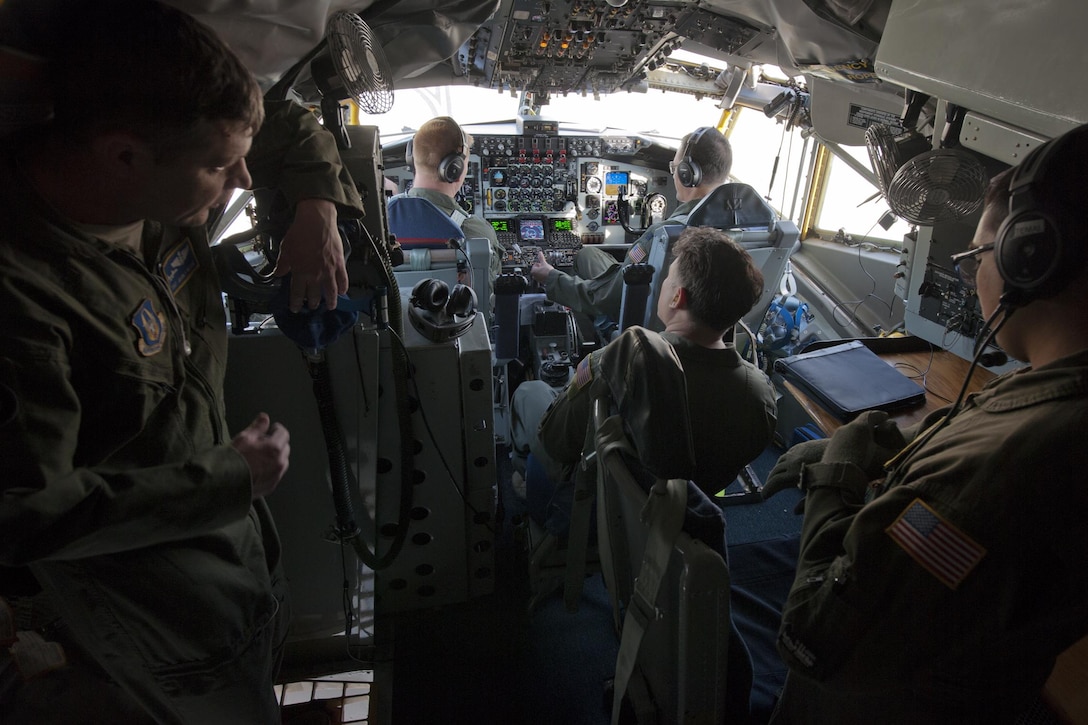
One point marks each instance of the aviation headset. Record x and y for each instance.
(439, 313)
(688, 171)
(1033, 251)
(452, 164)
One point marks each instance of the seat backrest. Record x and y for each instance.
(425, 233)
(419, 224)
(750, 221)
(675, 636)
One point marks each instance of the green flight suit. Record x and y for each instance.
(596, 287)
(119, 487)
(947, 597)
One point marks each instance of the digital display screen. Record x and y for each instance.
(500, 225)
(562, 225)
(531, 230)
(613, 180)
(611, 212)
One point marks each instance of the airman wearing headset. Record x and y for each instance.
(938, 580)
(701, 164)
(438, 155)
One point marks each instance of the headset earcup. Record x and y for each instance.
(450, 168)
(462, 301)
(441, 314)
(690, 174)
(409, 157)
(430, 294)
(1028, 252)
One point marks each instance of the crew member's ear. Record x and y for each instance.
(679, 299)
(123, 153)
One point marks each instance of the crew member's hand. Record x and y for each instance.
(312, 252)
(540, 268)
(787, 470)
(868, 442)
(266, 446)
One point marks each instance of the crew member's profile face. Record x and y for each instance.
(183, 188)
(988, 280)
(667, 299)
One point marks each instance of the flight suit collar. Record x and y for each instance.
(1063, 378)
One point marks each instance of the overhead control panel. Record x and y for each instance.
(593, 46)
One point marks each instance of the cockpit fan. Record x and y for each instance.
(359, 63)
(924, 185)
(938, 185)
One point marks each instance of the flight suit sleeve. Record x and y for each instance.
(563, 428)
(294, 153)
(476, 228)
(846, 612)
(601, 295)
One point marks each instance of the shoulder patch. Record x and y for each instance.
(942, 549)
(637, 254)
(151, 326)
(179, 264)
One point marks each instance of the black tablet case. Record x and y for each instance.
(848, 379)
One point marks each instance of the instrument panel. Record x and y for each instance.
(555, 193)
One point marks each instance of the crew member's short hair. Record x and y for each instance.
(434, 140)
(721, 280)
(144, 67)
(714, 154)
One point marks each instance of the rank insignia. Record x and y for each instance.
(179, 264)
(151, 326)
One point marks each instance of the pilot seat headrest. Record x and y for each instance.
(733, 206)
(646, 381)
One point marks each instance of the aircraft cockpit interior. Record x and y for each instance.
(863, 133)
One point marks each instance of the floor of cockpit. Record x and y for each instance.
(489, 661)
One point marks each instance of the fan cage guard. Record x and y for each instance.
(360, 62)
(882, 153)
(939, 185)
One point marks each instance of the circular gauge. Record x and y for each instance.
(593, 213)
(499, 205)
(500, 193)
(593, 226)
(658, 204)
(498, 177)
(593, 185)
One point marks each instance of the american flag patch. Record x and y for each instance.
(637, 254)
(584, 373)
(946, 552)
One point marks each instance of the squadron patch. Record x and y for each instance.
(943, 550)
(151, 326)
(179, 264)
